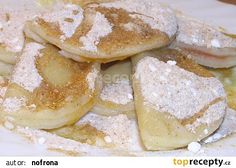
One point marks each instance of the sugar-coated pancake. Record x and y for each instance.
(116, 96)
(177, 101)
(47, 90)
(5, 69)
(115, 78)
(105, 31)
(11, 32)
(117, 132)
(96, 135)
(206, 44)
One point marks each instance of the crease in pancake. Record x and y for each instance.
(47, 90)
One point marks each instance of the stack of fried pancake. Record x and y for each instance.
(119, 74)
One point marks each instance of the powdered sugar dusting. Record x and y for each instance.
(13, 104)
(215, 43)
(150, 12)
(228, 127)
(194, 32)
(213, 113)
(122, 131)
(25, 72)
(68, 16)
(175, 90)
(132, 27)
(91, 78)
(194, 147)
(120, 92)
(55, 142)
(171, 62)
(11, 27)
(101, 28)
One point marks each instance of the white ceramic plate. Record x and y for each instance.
(210, 11)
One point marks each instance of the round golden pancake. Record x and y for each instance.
(177, 101)
(12, 39)
(104, 31)
(207, 45)
(47, 90)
